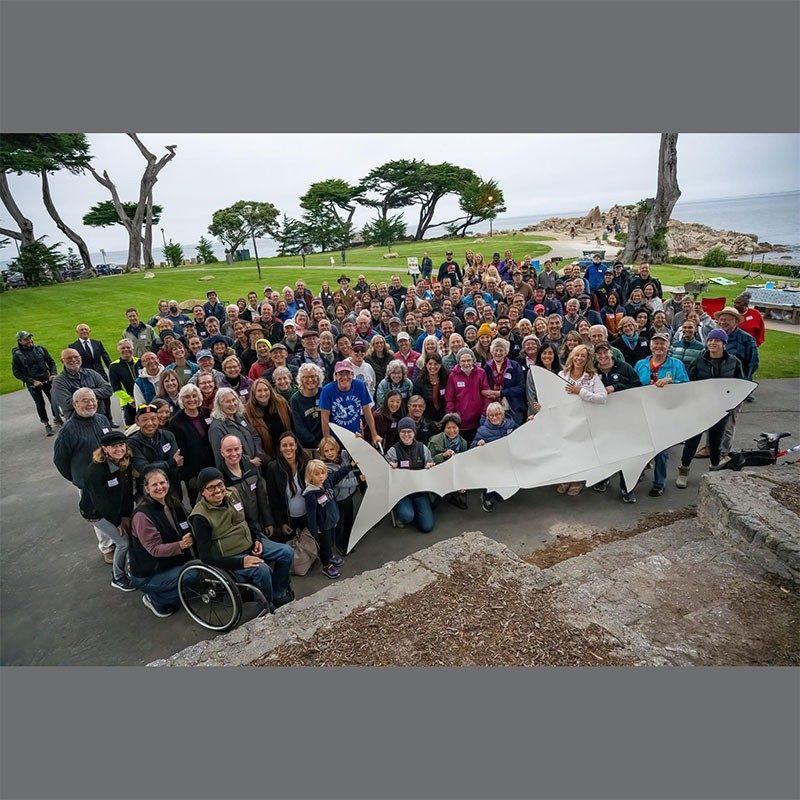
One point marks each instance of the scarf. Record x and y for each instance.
(452, 444)
(630, 341)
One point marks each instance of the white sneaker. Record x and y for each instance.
(154, 608)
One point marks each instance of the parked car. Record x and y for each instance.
(116, 269)
(15, 280)
(102, 269)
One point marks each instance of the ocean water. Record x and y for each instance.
(774, 218)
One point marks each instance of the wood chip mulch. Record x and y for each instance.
(788, 495)
(569, 547)
(473, 617)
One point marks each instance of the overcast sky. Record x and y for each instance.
(539, 173)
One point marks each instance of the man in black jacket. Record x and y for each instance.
(94, 356)
(152, 446)
(122, 374)
(35, 367)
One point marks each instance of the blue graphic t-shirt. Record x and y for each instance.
(345, 407)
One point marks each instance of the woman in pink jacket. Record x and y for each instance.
(467, 393)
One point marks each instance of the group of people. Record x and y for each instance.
(228, 408)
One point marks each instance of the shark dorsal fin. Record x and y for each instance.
(549, 387)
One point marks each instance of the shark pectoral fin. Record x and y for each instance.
(632, 468)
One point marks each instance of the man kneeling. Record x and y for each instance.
(226, 537)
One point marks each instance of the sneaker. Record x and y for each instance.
(277, 602)
(656, 491)
(159, 611)
(330, 571)
(108, 557)
(458, 501)
(123, 584)
(488, 505)
(628, 497)
(114, 425)
(48, 431)
(682, 481)
(600, 487)
(337, 561)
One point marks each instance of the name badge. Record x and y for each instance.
(187, 372)
(237, 506)
(322, 499)
(143, 335)
(507, 376)
(393, 425)
(253, 486)
(105, 430)
(442, 391)
(405, 464)
(244, 423)
(113, 482)
(243, 392)
(460, 385)
(184, 526)
(165, 448)
(208, 420)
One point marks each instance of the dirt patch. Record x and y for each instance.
(788, 495)
(470, 618)
(571, 546)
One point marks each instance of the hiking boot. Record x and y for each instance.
(656, 491)
(682, 480)
(123, 584)
(159, 611)
(628, 497)
(48, 431)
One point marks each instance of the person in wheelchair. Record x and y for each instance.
(227, 537)
(160, 543)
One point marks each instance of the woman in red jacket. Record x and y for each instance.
(467, 393)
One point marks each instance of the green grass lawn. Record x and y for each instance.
(51, 312)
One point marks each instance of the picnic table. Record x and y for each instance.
(782, 301)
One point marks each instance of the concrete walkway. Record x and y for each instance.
(59, 608)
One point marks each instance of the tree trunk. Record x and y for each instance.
(148, 231)
(647, 225)
(83, 250)
(25, 225)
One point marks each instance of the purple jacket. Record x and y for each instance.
(463, 395)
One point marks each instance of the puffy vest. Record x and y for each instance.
(415, 455)
(144, 564)
(230, 534)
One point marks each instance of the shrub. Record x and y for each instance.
(715, 258)
(621, 237)
(38, 263)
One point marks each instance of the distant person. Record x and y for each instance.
(140, 334)
(35, 367)
(426, 267)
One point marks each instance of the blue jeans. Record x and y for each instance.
(119, 568)
(274, 582)
(660, 469)
(416, 508)
(162, 588)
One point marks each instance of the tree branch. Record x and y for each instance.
(13, 234)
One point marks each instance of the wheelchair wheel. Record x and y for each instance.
(210, 597)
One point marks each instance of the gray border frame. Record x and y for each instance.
(711, 733)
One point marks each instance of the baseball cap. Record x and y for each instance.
(342, 366)
(204, 354)
(359, 344)
(307, 334)
(279, 346)
(602, 346)
(664, 336)
(470, 310)
(395, 321)
(23, 335)
(403, 335)
(539, 308)
(290, 322)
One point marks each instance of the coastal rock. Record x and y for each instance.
(683, 238)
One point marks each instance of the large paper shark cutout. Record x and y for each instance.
(568, 440)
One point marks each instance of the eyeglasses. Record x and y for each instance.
(215, 488)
